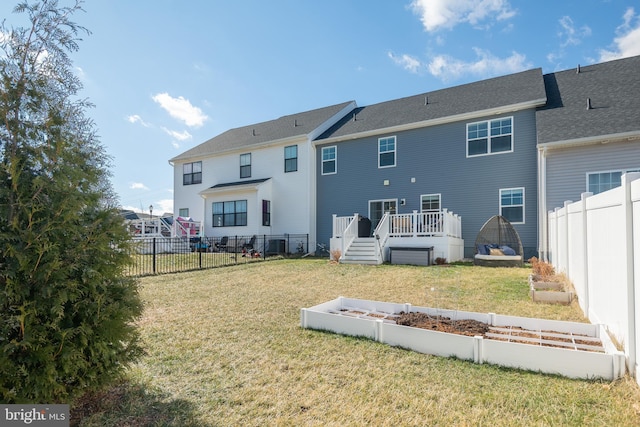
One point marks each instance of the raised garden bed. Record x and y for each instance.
(575, 350)
(545, 289)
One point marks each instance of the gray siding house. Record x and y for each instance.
(431, 169)
(588, 133)
(468, 150)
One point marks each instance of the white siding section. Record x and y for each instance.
(288, 192)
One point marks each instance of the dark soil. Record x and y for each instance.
(442, 324)
(476, 328)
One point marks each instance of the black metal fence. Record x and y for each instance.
(161, 255)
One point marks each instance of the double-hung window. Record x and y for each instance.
(192, 173)
(291, 158)
(245, 165)
(512, 204)
(230, 214)
(266, 213)
(598, 182)
(329, 160)
(430, 202)
(490, 137)
(387, 152)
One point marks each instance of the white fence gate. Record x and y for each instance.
(596, 243)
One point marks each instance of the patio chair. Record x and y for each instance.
(222, 244)
(498, 244)
(248, 247)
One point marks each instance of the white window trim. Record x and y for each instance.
(334, 160)
(241, 165)
(489, 153)
(291, 158)
(524, 200)
(395, 152)
(431, 194)
(381, 200)
(622, 172)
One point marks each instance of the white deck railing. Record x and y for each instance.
(158, 227)
(422, 224)
(416, 224)
(340, 223)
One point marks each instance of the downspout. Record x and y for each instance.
(543, 249)
(311, 196)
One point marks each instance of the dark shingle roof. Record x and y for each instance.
(299, 124)
(237, 183)
(614, 90)
(525, 87)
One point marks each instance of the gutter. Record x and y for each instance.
(592, 140)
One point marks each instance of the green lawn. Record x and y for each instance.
(224, 347)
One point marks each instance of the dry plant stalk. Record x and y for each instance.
(541, 268)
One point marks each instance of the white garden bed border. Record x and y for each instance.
(376, 324)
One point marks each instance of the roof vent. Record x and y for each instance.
(578, 69)
(426, 100)
(295, 123)
(253, 132)
(354, 116)
(589, 104)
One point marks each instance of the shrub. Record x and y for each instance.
(66, 308)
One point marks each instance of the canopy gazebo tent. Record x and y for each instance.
(498, 244)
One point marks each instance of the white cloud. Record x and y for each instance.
(570, 34)
(407, 62)
(448, 68)
(134, 118)
(627, 42)
(180, 136)
(181, 109)
(163, 206)
(138, 186)
(437, 14)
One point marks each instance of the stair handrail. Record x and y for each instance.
(349, 235)
(178, 229)
(381, 233)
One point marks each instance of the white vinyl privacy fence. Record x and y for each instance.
(596, 243)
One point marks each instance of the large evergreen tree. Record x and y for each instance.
(66, 308)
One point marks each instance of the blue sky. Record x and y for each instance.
(166, 75)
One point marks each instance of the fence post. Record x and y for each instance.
(585, 252)
(264, 246)
(154, 256)
(567, 257)
(200, 253)
(631, 294)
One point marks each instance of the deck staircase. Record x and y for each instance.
(361, 251)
